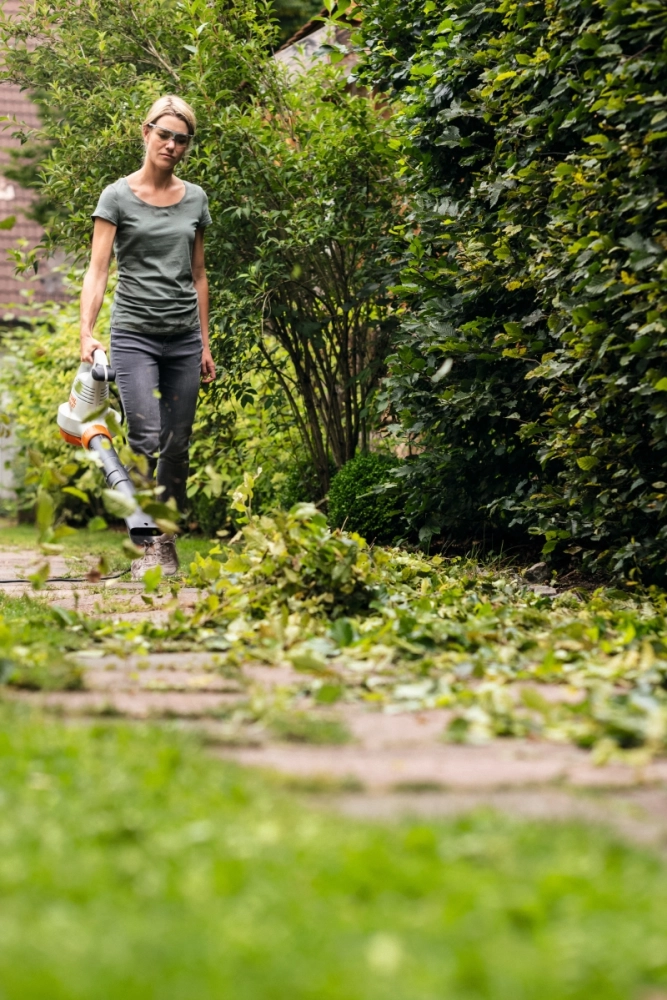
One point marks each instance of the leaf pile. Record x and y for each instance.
(392, 629)
(35, 643)
(404, 632)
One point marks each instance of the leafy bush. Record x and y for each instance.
(354, 504)
(293, 14)
(36, 377)
(299, 174)
(228, 434)
(536, 148)
(301, 484)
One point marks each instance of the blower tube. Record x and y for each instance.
(140, 525)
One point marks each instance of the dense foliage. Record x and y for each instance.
(229, 436)
(402, 629)
(304, 200)
(534, 140)
(293, 14)
(95, 70)
(355, 504)
(298, 173)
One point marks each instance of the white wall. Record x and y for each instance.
(7, 450)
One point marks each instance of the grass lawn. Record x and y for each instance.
(133, 865)
(84, 544)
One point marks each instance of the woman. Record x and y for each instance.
(159, 321)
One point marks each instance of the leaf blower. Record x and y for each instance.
(82, 421)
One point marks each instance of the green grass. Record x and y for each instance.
(133, 866)
(80, 547)
(34, 646)
(305, 727)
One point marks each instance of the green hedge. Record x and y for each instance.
(536, 150)
(353, 503)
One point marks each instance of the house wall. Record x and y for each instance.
(15, 201)
(47, 285)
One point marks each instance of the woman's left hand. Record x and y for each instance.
(207, 366)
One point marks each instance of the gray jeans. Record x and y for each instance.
(158, 380)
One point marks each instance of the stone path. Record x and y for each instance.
(394, 763)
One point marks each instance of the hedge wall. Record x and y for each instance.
(535, 146)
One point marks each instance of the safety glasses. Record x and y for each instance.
(180, 138)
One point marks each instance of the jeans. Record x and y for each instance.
(158, 380)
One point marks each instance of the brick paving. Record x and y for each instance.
(396, 762)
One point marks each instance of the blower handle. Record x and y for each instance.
(100, 370)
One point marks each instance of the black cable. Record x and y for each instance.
(73, 579)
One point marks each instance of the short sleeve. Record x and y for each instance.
(107, 206)
(204, 216)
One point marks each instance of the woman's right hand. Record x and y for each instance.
(88, 346)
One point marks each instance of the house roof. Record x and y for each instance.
(305, 46)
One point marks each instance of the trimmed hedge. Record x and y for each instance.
(353, 504)
(536, 149)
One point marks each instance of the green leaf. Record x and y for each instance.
(97, 523)
(118, 504)
(75, 492)
(305, 657)
(327, 694)
(587, 462)
(152, 578)
(167, 526)
(130, 549)
(342, 632)
(157, 509)
(45, 511)
(39, 578)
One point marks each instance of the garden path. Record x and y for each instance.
(393, 763)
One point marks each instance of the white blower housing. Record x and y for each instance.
(82, 422)
(84, 414)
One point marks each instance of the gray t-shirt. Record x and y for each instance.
(153, 246)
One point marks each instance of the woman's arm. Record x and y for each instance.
(201, 287)
(95, 285)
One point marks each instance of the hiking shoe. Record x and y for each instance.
(160, 551)
(167, 555)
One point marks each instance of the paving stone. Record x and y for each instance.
(382, 764)
(272, 677)
(639, 814)
(19, 564)
(135, 704)
(157, 672)
(399, 759)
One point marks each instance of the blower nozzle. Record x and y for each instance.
(82, 422)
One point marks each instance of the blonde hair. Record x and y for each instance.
(172, 105)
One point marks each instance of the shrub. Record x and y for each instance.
(36, 377)
(301, 484)
(536, 148)
(299, 174)
(353, 502)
